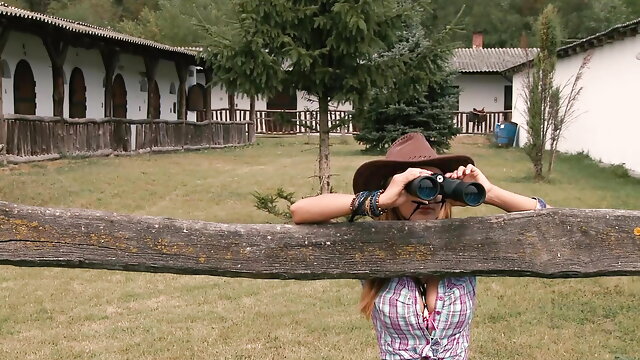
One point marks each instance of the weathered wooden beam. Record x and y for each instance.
(110, 61)
(208, 79)
(57, 50)
(551, 243)
(182, 69)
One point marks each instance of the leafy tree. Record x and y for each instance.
(23, 4)
(582, 19)
(132, 9)
(95, 12)
(174, 22)
(421, 98)
(326, 48)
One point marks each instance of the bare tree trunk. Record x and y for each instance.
(324, 167)
(552, 156)
(252, 118)
(3, 129)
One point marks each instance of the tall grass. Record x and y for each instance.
(50, 313)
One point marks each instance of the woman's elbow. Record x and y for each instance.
(297, 214)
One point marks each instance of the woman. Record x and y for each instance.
(425, 318)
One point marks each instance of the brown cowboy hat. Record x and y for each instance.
(410, 150)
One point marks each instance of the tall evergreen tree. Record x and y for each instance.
(422, 96)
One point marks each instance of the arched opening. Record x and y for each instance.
(196, 101)
(154, 101)
(24, 89)
(77, 95)
(119, 101)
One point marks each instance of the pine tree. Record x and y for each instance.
(422, 97)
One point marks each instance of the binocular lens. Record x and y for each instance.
(473, 194)
(428, 188)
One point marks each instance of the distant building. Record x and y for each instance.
(58, 67)
(608, 125)
(482, 79)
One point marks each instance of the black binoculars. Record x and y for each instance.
(429, 186)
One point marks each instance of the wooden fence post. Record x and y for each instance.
(3, 139)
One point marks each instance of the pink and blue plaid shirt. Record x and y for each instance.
(405, 333)
(402, 328)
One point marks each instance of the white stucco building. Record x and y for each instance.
(481, 78)
(103, 73)
(608, 122)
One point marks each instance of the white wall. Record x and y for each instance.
(29, 47)
(165, 75)
(132, 69)
(608, 125)
(481, 91)
(90, 62)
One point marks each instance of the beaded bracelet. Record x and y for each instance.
(376, 211)
(366, 203)
(358, 204)
(357, 201)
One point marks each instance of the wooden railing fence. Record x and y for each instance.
(25, 138)
(552, 243)
(29, 138)
(281, 122)
(472, 123)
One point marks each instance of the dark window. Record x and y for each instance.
(24, 89)
(508, 97)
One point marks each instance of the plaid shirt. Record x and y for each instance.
(402, 328)
(404, 332)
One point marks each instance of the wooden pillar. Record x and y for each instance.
(150, 66)
(231, 100)
(57, 51)
(182, 69)
(109, 60)
(208, 78)
(4, 36)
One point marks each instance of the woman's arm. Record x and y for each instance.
(504, 199)
(509, 201)
(321, 208)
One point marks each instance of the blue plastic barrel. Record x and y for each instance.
(505, 133)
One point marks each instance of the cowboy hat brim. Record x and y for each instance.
(374, 174)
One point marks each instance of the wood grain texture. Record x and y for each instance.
(549, 243)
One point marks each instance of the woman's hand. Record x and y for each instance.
(470, 173)
(394, 194)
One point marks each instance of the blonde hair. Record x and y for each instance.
(372, 287)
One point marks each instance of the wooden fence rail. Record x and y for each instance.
(283, 122)
(553, 243)
(27, 138)
(474, 123)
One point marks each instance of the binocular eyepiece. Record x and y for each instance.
(429, 186)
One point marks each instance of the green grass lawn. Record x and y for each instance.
(48, 313)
